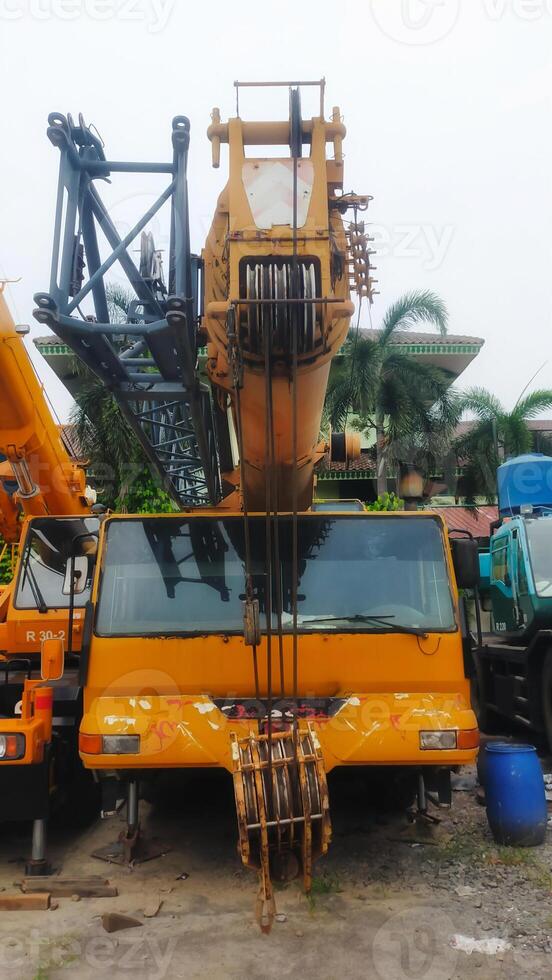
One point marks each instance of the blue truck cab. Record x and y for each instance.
(512, 664)
(516, 573)
(519, 567)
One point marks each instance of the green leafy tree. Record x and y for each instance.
(6, 562)
(404, 401)
(386, 501)
(496, 435)
(144, 496)
(115, 457)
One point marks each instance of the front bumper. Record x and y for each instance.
(193, 731)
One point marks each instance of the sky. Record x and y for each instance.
(447, 105)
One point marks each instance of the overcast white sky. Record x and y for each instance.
(446, 102)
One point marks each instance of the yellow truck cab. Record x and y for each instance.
(168, 676)
(40, 713)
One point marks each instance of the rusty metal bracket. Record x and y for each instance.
(251, 622)
(282, 807)
(359, 264)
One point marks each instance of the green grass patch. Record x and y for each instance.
(468, 849)
(326, 884)
(513, 856)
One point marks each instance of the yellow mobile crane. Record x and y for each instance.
(43, 484)
(39, 478)
(250, 631)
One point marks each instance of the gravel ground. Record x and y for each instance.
(382, 906)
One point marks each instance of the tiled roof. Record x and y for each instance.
(476, 520)
(400, 337)
(416, 337)
(540, 425)
(69, 437)
(364, 466)
(50, 344)
(535, 425)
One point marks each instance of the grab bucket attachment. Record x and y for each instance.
(283, 808)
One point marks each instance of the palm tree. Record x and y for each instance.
(495, 435)
(396, 395)
(119, 301)
(103, 436)
(426, 444)
(105, 439)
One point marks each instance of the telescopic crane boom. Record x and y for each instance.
(280, 262)
(44, 602)
(9, 511)
(48, 480)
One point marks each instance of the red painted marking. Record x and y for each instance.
(159, 729)
(43, 701)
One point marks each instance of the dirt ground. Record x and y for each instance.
(381, 906)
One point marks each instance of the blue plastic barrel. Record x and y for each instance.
(514, 791)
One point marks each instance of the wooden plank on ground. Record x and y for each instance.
(85, 887)
(19, 902)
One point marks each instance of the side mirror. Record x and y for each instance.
(51, 660)
(465, 558)
(80, 575)
(486, 602)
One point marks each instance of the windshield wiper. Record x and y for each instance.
(381, 620)
(35, 588)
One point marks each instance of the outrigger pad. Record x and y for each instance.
(37, 869)
(131, 850)
(422, 828)
(283, 808)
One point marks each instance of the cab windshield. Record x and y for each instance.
(43, 577)
(539, 538)
(187, 576)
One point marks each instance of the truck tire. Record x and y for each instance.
(487, 719)
(81, 802)
(391, 788)
(547, 697)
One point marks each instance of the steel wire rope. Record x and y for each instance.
(269, 462)
(246, 526)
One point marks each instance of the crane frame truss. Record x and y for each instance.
(149, 363)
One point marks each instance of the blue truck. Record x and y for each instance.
(511, 674)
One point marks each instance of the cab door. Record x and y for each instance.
(505, 611)
(524, 597)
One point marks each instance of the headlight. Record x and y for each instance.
(120, 744)
(438, 739)
(12, 746)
